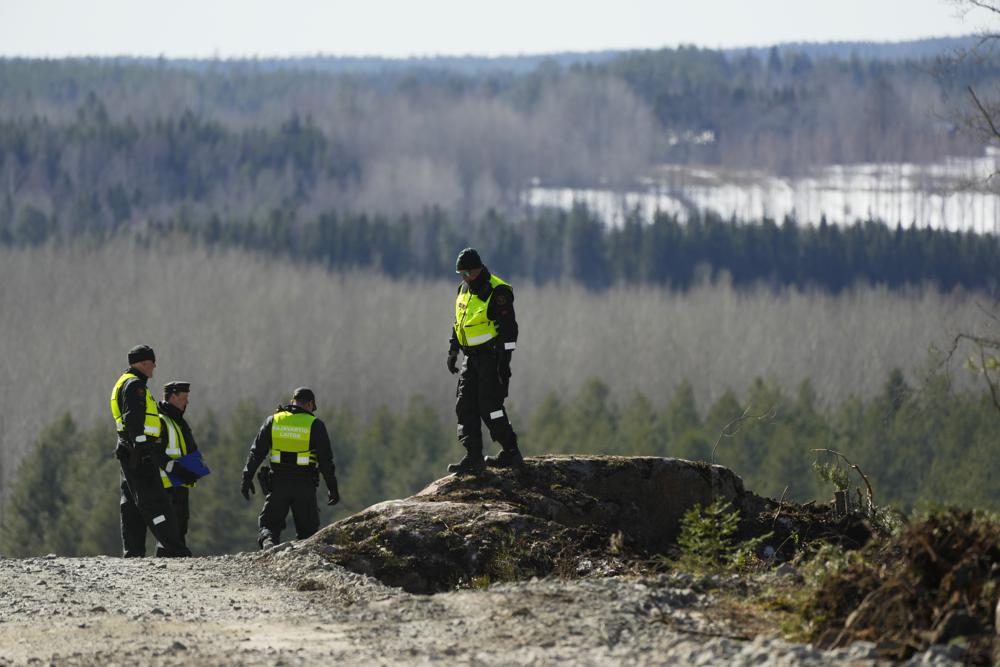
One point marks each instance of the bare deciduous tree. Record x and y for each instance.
(982, 115)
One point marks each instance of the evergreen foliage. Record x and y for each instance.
(920, 446)
(707, 541)
(576, 246)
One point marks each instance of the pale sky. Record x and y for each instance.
(400, 28)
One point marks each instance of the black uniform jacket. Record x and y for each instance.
(177, 415)
(499, 310)
(319, 442)
(132, 402)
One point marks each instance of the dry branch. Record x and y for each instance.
(727, 433)
(853, 466)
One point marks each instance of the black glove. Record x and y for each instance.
(247, 488)
(333, 497)
(147, 447)
(503, 367)
(264, 477)
(453, 361)
(143, 444)
(178, 471)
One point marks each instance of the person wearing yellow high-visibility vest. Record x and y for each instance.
(179, 441)
(140, 451)
(297, 446)
(485, 331)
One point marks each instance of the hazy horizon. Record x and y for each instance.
(449, 28)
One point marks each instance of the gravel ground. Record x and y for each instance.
(289, 607)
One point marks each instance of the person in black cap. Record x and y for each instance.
(179, 441)
(298, 447)
(485, 330)
(139, 450)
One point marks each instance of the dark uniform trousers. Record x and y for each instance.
(144, 504)
(293, 491)
(480, 398)
(179, 499)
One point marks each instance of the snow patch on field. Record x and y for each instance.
(953, 194)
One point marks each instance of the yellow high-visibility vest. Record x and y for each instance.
(176, 448)
(151, 426)
(472, 326)
(290, 432)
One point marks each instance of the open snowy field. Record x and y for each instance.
(952, 194)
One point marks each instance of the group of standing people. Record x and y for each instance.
(160, 460)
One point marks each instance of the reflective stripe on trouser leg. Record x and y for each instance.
(500, 429)
(151, 500)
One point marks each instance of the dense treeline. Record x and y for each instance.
(242, 325)
(922, 444)
(576, 245)
(79, 134)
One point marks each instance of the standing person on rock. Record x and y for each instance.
(141, 453)
(485, 331)
(298, 447)
(180, 443)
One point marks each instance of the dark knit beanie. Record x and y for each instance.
(468, 259)
(141, 353)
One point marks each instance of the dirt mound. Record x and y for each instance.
(937, 582)
(564, 515)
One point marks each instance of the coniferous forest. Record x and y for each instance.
(269, 224)
(921, 445)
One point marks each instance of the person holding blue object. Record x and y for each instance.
(178, 476)
(140, 451)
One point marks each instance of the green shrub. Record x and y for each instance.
(707, 541)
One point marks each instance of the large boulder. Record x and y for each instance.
(566, 515)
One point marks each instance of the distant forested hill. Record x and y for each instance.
(917, 49)
(470, 134)
(373, 163)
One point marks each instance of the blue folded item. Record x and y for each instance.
(193, 463)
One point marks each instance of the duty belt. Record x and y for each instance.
(485, 348)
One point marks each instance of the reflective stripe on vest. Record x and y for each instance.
(290, 433)
(176, 447)
(151, 426)
(472, 326)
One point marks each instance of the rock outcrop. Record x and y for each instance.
(563, 515)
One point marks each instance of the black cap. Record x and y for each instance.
(468, 259)
(141, 353)
(176, 387)
(303, 394)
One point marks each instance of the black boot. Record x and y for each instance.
(471, 464)
(507, 458)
